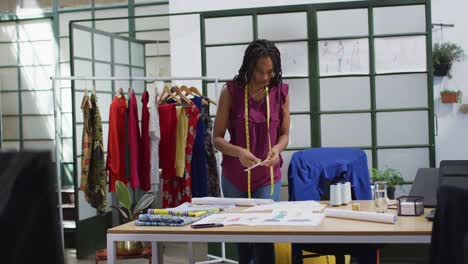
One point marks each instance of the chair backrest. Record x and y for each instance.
(454, 173)
(425, 184)
(450, 226)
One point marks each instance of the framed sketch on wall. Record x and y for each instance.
(340, 57)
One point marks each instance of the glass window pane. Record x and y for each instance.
(106, 2)
(121, 71)
(39, 102)
(346, 130)
(74, 3)
(66, 100)
(224, 62)
(35, 30)
(158, 49)
(153, 36)
(121, 51)
(67, 125)
(340, 23)
(79, 138)
(36, 77)
(338, 57)
(82, 44)
(38, 127)
(34, 53)
(151, 10)
(105, 134)
(103, 69)
(349, 93)
(41, 145)
(104, 102)
(113, 25)
(11, 145)
(78, 111)
(102, 47)
(64, 49)
(65, 72)
(149, 23)
(294, 58)
(83, 68)
(369, 158)
(286, 156)
(228, 30)
(400, 54)
(67, 150)
(8, 78)
(411, 19)
(8, 31)
(298, 94)
(35, 5)
(65, 18)
(138, 86)
(401, 91)
(299, 136)
(10, 127)
(9, 103)
(283, 26)
(138, 53)
(390, 130)
(9, 53)
(160, 66)
(407, 161)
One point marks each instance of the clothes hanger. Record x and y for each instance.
(197, 92)
(167, 93)
(179, 93)
(89, 98)
(185, 89)
(120, 92)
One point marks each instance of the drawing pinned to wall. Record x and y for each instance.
(344, 57)
(294, 59)
(400, 54)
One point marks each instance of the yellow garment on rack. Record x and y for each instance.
(181, 142)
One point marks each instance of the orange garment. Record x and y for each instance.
(116, 164)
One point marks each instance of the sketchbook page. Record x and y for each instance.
(283, 218)
(361, 215)
(311, 206)
(340, 57)
(236, 201)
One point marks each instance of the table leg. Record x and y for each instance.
(111, 254)
(190, 252)
(154, 252)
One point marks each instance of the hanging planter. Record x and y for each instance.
(443, 55)
(442, 69)
(450, 97)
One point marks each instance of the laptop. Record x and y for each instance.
(426, 184)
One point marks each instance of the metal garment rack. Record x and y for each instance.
(57, 117)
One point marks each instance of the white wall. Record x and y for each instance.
(452, 138)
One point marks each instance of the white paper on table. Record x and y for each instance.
(236, 201)
(311, 206)
(361, 215)
(288, 218)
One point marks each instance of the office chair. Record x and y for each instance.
(450, 228)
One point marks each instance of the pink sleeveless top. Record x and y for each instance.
(232, 169)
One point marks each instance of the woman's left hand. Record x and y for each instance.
(272, 158)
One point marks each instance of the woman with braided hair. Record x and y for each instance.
(254, 108)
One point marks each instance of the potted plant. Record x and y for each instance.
(389, 175)
(450, 96)
(128, 212)
(443, 55)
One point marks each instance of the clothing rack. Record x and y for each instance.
(57, 117)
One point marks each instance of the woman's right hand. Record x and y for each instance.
(247, 159)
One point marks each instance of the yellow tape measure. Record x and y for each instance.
(247, 137)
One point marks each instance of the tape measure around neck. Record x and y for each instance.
(247, 137)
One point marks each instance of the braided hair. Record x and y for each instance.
(256, 50)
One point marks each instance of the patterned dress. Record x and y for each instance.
(212, 164)
(177, 190)
(86, 142)
(95, 192)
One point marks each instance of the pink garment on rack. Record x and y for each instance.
(133, 140)
(145, 183)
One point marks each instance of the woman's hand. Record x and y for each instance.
(272, 158)
(247, 159)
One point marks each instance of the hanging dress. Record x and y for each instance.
(116, 163)
(155, 137)
(211, 162)
(145, 145)
(199, 165)
(133, 141)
